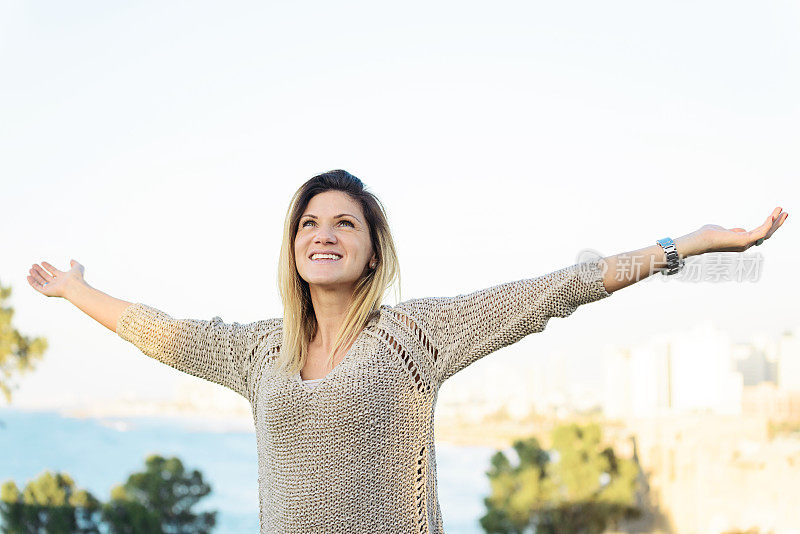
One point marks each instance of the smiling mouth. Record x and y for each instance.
(325, 258)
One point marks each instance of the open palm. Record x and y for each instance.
(714, 238)
(52, 282)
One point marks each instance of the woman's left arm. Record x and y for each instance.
(457, 331)
(639, 264)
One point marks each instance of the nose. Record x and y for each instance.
(324, 235)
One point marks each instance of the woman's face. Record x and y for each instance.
(332, 223)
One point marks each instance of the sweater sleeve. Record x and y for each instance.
(212, 350)
(465, 328)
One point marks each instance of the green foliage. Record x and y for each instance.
(578, 487)
(156, 501)
(162, 495)
(18, 353)
(51, 503)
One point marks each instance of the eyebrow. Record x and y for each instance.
(335, 216)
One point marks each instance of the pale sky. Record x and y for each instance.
(159, 144)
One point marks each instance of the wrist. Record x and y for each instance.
(74, 288)
(687, 245)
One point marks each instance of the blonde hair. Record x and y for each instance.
(299, 320)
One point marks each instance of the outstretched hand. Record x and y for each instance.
(713, 238)
(51, 282)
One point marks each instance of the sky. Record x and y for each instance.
(158, 144)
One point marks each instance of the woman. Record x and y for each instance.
(343, 388)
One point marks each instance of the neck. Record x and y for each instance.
(330, 309)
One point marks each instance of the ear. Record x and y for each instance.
(373, 262)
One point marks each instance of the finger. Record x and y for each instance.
(35, 284)
(774, 216)
(738, 229)
(36, 276)
(756, 234)
(762, 235)
(50, 268)
(766, 224)
(41, 274)
(778, 224)
(771, 218)
(763, 227)
(778, 220)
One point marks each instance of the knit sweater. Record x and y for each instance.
(356, 453)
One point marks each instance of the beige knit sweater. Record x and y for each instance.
(357, 454)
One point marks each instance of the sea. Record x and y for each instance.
(99, 453)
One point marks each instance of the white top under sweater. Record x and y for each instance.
(312, 382)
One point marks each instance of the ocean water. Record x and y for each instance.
(100, 453)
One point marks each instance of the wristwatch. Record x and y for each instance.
(674, 263)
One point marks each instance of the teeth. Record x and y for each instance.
(324, 256)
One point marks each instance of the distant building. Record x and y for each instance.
(638, 380)
(618, 397)
(688, 372)
(754, 365)
(703, 376)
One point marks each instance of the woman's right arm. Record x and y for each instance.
(209, 349)
(100, 306)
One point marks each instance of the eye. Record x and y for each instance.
(304, 223)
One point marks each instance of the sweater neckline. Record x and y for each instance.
(349, 355)
(336, 369)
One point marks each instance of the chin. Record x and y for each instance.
(323, 281)
(319, 279)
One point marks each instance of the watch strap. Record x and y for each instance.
(674, 263)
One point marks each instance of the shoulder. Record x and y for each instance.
(414, 313)
(268, 325)
(264, 332)
(423, 308)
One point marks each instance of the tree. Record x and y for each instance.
(156, 501)
(125, 516)
(18, 353)
(159, 500)
(51, 503)
(577, 487)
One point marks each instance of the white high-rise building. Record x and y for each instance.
(637, 380)
(680, 373)
(703, 372)
(617, 401)
(651, 388)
